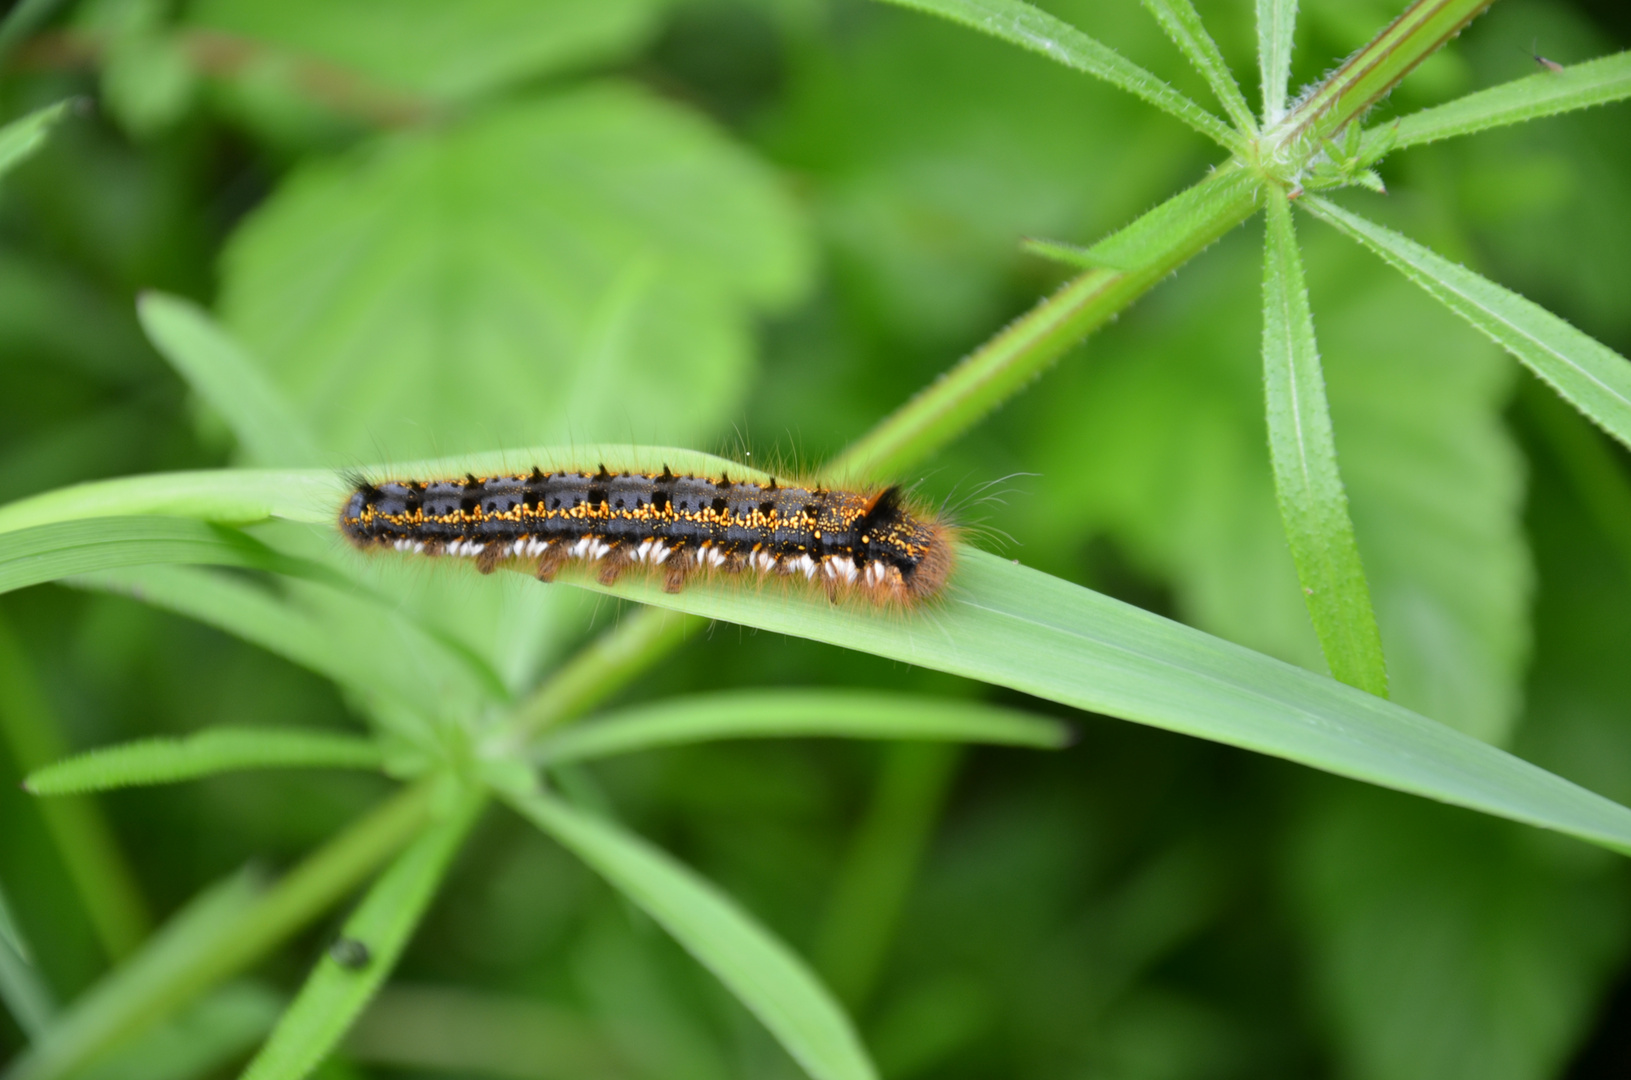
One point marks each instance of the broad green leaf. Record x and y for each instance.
(447, 52)
(335, 993)
(219, 371)
(66, 548)
(22, 991)
(23, 136)
(588, 262)
(401, 671)
(1183, 25)
(1030, 27)
(797, 713)
(165, 761)
(1276, 26)
(1546, 93)
(1313, 504)
(1593, 377)
(219, 933)
(141, 990)
(766, 976)
(1496, 952)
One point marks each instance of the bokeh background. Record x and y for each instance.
(756, 227)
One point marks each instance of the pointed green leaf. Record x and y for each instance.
(1183, 25)
(1546, 93)
(795, 714)
(23, 136)
(165, 761)
(223, 374)
(1313, 504)
(1276, 24)
(23, 992)
(1069, 254)
(1593, 377)
(764, 974)
(64, 549)
(1032, 28)
(342, 983)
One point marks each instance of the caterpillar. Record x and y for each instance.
(677, 527)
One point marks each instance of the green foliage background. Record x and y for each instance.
(758, 228)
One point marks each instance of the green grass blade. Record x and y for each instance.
(165, 761)
(1592, 377)
(1032, 28)
(222, 373)
(795, 714)
(1546, 93)
(335, 994)
(236, 496)
(215, 936)
(23, 992)
(766, 976)
(1313, 502)
(1183, 25)
(1276, 25)
(1005, 624)
(26, 134)
(66, 548)
(218, 1031)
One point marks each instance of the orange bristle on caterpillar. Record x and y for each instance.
(675, 527)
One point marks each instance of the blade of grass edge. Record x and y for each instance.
(26, 997)
(797, 714)
(26, 134)
(1579, 86)
(1030, 27)
(1589, 375)
(219, 370)
(42, 553)
(217, 750)
(1183, 25)
(1276, 26)
(334, 994)
(763, 973)
(184, 960)
(1313, 502)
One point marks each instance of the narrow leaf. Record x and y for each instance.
(1276, 23)
(1546, 93)
(164, 761)
(1183, 25)
(223, 374)
(24, 993)
(23, 136)
(795, 714)
(764, 974)
(375, 934)
(1069, 254)
(65, 549)
(1032, 28)
(1591, 376)
(1313, 503)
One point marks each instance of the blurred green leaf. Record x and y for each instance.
(1276, 28)
(199, 1041)
(1593, 377)
(1448, 947)
(1183, 25)
(62, 549)
(220, 372)
(23, 136)
(774, 984)
(1029, 27)
(794, 714)
(142, 989)
(24, 993)
(1547, 93)
(1313, 503)
(335, 993)
(585, 263)
(164, 761)
(448, 52)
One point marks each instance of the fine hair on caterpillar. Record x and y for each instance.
(674, 527)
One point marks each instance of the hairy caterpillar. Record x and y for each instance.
(677, 527)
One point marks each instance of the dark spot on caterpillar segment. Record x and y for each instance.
(675, 527)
